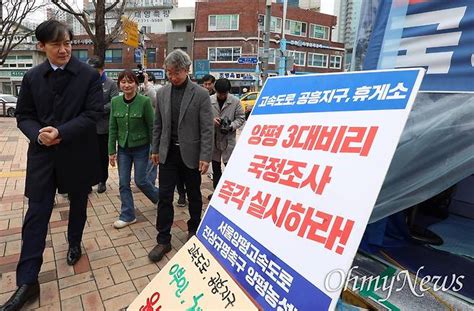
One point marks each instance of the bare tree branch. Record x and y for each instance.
(12, 30)
(97, 30)
(112, 6)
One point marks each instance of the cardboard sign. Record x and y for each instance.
(296, 195)
(192, 280)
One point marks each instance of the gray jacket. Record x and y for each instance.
(195, 126)
(110, 89)
(224, 143)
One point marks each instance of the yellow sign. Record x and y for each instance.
(192, 280)
(130, 30)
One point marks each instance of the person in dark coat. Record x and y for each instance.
(59, 103)
(110, 89)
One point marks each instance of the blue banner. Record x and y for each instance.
(269, 280)
(437, 35)
(356, 91)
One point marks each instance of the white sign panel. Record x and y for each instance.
(295, 198)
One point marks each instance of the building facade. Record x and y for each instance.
(24, 56)
(119, 56)
(348, 12)
(227, 31)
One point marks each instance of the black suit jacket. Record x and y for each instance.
(71, 101)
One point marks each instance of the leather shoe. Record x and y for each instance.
(73, 255)
(159, 251)
(23, 294)
(101, 188)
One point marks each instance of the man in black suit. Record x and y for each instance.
(58, 106)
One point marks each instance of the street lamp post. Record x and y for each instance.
(266, 39)
(282, 63)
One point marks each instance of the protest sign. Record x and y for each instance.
(289, 212)
(192, 280)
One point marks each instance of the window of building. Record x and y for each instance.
(151, 55)
(223, 22)
(13, 61)
(318, 60)
(319, 32)
(82, 55)
(295, 28)
(299, 57)
(224, 54)
(113, 56)
(271, 54)
(146, 29)
(335, 62)
(275, 24)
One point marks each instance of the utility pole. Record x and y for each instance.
(266, 39)
(282, 63)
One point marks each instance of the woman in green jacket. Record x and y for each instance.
(130, 127)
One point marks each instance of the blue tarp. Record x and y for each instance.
(436, 149)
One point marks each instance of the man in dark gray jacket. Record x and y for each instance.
(182, 146)
(110, 90)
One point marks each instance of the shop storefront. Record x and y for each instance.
(10, 80)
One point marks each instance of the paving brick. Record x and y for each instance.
(139, 252)
(92, 302)
(52, 307)
(8, 282)
(48, 254)
(48, 276)
(49, 293)
(135, 263)
(4, 231)
(2, 249)
(102, 254)
(48, 266)
(75, 279)
(73, 303)
(119, 273)
(117, 290)
(63, 269)
(9, 259)
(143, 270)
(82, 265)
(120, 302)
(102, 277)
(141, 283)
(105, 262)
(4, 224)
(104, 242)
(8, 267)
(90, 245)
(125, 253)
(162, 262)
(78, 290)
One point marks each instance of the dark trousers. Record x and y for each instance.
(216, 172)
(180, 185)
(104, 156)
(35, 228)
(168, 176)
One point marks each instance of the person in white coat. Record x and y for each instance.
(228, 117)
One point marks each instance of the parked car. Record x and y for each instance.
(248, 101)
(7, 105)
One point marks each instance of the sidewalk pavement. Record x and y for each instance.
(114, 266)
